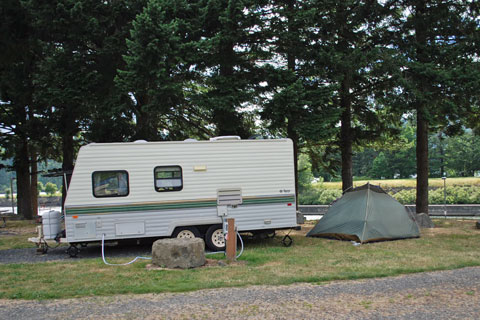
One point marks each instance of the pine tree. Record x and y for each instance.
(296, 101)
(230, 47)
(18, 125)
(160, 71)
(350, 53)
(438, 42)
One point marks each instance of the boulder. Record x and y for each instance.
(424, 221)
(178, 253)
(300, 217)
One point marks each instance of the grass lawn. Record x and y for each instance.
(452, 244)
(16, 234)
(410, 183)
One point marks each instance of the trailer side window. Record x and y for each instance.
(110, 183)
(168, 178)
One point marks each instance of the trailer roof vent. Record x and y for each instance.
(230, 196)
(140, 141)
(225, 138)
(190, 140)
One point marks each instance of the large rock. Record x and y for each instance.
(424, 221)
(178, 253)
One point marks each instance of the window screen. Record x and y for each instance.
(168, 178)
(110, 183)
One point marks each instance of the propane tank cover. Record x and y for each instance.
(51, 223)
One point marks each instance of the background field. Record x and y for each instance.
(407, 183)
(459, 190)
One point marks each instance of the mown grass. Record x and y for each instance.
(453, 244)
(15, 235)
(407, 183)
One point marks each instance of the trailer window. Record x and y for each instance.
(110, 183)
(168, 178)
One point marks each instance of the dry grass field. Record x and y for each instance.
(408, 183)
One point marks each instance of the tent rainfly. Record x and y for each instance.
(366, 214)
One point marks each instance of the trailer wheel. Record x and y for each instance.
(186, 233)
(73, 251)
(214, 238)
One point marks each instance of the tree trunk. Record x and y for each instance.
(227, 120)
(34, 181)
(346, 135)
(291, 65)
(22, 168)
(292, 134)
(421, 104)
(143, 127)
(225, 117)
(422, 162)
(67, 163)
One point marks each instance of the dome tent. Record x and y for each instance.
(365, 214)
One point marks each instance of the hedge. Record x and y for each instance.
(455, 195)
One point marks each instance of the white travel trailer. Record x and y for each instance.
(180, 189)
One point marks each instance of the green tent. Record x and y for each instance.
(364, 214)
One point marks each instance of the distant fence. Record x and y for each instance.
(455, 210)
(42, 201)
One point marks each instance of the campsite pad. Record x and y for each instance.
(364, 214)
(29, 255)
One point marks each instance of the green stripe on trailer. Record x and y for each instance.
(166, 206)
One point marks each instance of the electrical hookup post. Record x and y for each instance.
(231, 238)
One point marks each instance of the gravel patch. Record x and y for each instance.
(30, 255)
(451, 294)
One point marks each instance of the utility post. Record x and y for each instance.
(444, 195)
(231, 240)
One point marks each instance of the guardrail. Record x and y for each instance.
(451, 210)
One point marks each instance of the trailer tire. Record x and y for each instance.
(214, 238)
(73, 251)
(186, 233)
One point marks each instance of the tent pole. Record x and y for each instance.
(366, 213)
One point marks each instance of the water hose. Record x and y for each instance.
(241, 250)
(148, 258)
(118, 264)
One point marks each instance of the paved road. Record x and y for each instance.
(436, 295)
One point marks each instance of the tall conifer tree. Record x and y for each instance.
(438, 41)
(349, 50)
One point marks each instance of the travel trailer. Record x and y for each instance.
(180, 189)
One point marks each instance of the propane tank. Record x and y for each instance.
(51, 222)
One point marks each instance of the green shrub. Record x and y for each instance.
(455, 195)
(317, 195)
(406, 196)
(327, 196)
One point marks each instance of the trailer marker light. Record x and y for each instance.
(74, 217)
(289, 204)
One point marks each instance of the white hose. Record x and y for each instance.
(148, 258)
(118, 264)
(241, 242)
(241, 250)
